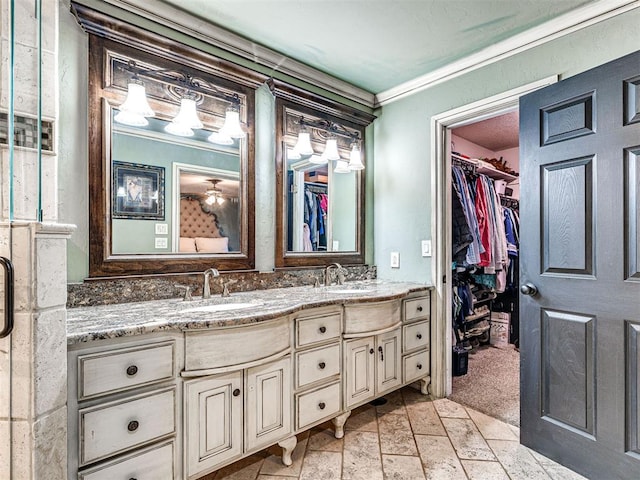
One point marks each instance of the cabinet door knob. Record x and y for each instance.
(322, 365)
(419, 308)
(321, 405)
(371, 351)
(419, 366)
(132, 370)
(322, 329)
(419, 336)
(133, 425)
(236, 392)
(133, 478)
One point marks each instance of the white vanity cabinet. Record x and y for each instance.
(124, 407)
(416, 335)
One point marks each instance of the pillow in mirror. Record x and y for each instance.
(188, 245)
(212, 245)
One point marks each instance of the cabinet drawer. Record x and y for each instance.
(415, 366)
(150, 464)
(118, 426)
(225, 347)
(310, 330)
(117, 370)
(317, 404)
(415, 336)
(317, 364)
(417, 308)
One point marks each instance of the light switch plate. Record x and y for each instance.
(426, 248)
(162, 229)
(395, 259)
(161, 242)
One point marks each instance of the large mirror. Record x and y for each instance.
(320, 208)
(171, 191)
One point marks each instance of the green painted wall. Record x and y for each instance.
(402, 179)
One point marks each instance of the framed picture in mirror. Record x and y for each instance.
(138, 191)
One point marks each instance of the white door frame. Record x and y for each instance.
(441, 331)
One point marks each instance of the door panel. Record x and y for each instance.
(579, 242)
(389, 371)
(359, 362)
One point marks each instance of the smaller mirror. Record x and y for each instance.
(321, 184)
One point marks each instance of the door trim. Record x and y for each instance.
(441, 124)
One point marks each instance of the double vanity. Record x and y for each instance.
(177, 389)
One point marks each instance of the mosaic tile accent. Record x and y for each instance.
(25, 132)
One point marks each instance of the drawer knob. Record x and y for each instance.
(323, 329)
(321, 405)
(236, 392)
(419, 336)
(419, 308)
(133, 425)
(133, 478)
(322, 365)
(132, 370)
(419, 366)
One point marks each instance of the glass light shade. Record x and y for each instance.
(130, 118)
(331, 149)
(136, 101)
(355, 158)
(292, 154)
(219, 200)
(178, 129)
(319, 159)
(232, 127)
(220, 138)
(303, 145)
(211, 199)
(342, 166)
(187, 115)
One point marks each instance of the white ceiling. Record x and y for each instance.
(377, 44)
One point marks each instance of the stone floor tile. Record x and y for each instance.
(517, 460)
(466, 439)
(272, 477)
(447, 408)
(273, 463)
(555, 470)
(245, 469)
(411, 395)
(394, 404)
(439, 459)
(483, 470)
(401, 467)
(363, 418)
(321, 466)
(491, 428)
(424, 419)
(324, 440)
(396, 436)
(361, 457)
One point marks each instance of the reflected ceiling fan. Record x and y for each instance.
(214, 194)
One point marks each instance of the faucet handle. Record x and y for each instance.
(342, 275)
(316, 283)
(225, 290)
(187, 292)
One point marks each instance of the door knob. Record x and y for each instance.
(528, 289)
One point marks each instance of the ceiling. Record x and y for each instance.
(376, 44)
(497, 133)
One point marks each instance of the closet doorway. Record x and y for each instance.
(485, 245)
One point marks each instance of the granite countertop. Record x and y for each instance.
(86, 324)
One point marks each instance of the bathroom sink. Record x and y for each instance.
(221, 307)
(348, 290)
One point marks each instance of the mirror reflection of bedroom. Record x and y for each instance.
(209, 220)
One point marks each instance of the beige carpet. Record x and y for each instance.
(492, 383)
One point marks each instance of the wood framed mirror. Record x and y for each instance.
(160, 202)
(319, 211)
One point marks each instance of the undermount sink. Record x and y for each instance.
(221, 307)
(348, 290)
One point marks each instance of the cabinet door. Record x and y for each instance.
(213, 419)
(360, 370)
(269, 395)
(389, 363)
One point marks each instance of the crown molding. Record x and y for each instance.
(563, 25)
(180, 21)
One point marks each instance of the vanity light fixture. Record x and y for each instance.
(342, 166)
(136, 107)
(355, 158)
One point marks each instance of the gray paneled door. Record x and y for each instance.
(580, 211)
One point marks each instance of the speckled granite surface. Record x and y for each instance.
(85, 324)
(121, 290)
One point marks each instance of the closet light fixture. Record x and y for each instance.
(135, 108)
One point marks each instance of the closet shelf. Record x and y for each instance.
(492, 296)
(486, 169)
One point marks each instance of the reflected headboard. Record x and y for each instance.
(199, 229)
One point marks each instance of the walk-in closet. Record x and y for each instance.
(485, 251)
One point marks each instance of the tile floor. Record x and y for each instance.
(409, 438)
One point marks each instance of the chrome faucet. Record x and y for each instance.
(206, 290)
(327, 274)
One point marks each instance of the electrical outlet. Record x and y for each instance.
(426, 248)
(395, 259)
(161, 242)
